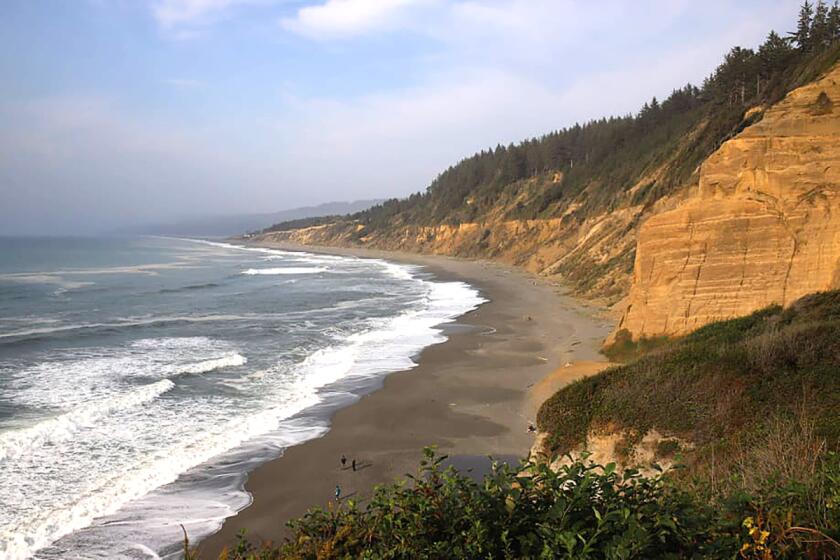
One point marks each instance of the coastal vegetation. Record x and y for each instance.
(579, 511)
(750, 407)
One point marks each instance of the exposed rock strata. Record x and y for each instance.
(763, 226)
(595, 256)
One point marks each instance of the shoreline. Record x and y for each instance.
(472, 395)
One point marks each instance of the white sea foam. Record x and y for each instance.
(205, 366)
(114, 489)
(392, 343)
(16, 442)
(97, 374)
(287, 270)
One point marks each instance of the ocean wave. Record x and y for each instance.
(189, 288)
(115, 490)
(231, 360)
(16, 442)
(390, 344)
(399, 271)
(131, 322)
(70, 379)
(287, 270)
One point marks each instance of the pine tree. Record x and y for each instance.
(773, 54)
(802, 35)
(820, 31)
(834, 21)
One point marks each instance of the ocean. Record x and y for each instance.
(142, 378)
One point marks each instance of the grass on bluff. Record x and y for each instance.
(720, 384)
(758, 397)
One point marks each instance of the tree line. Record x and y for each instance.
(602, 159)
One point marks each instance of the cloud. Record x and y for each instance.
(184, 83)
(172, 13)
(347, 18)
(451, 77)
(184, 18)
(393, 141)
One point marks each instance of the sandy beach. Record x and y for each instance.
(473, 395)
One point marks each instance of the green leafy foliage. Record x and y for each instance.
(709, 384)
(580, 511)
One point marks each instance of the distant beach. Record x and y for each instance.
(471, 396)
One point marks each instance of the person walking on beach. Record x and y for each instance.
(354, 465)
(337, 493)
(343, 460)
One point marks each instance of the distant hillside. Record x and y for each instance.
(236, 224)
(571, 204)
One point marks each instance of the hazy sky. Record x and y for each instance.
(125, 111)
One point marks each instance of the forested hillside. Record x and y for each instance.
(569, 203)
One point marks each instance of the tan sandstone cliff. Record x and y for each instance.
(762, 227)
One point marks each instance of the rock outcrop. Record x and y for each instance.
(762, 227)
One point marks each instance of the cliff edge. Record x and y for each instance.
(762, 227)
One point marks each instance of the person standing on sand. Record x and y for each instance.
(343, 460)
(338, 493)
(354, 465)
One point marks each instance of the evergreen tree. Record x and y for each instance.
(802, 35)
(820, 31)
(773, 55)
(834, 21)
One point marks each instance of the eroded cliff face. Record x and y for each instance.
(762, 227)
(593, 256)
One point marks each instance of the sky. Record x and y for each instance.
(122, 112)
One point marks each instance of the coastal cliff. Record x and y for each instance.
(704, 207)
(549, 247)
(762, 226)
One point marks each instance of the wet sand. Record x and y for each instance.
(473, 395)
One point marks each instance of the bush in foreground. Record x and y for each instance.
(582, 511)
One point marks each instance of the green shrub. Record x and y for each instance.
(582, 511)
